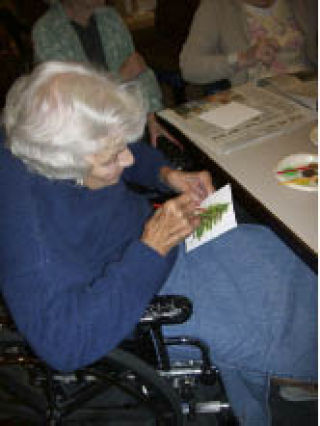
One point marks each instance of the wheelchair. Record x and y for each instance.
(137, 383)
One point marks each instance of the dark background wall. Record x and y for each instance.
(16, 19)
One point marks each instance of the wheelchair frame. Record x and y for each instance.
(141, 368)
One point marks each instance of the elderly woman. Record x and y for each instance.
(243, 40)
(81, 255)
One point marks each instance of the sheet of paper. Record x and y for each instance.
(220, 200)
(229, 115)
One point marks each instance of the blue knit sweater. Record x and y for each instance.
(73, 271)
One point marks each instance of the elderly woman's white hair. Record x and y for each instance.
(63, 111)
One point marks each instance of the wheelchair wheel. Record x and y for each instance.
(20, 404)
(133, 393)
(118, 390)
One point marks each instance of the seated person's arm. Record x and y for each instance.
(133, 66)
(149, 84)
(203, 59)
(151, 167)
(200, 60)
(147, 166)
(70, 325)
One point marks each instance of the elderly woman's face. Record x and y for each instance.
(107, 167)
(260, 3)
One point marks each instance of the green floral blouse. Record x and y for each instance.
(54, 38)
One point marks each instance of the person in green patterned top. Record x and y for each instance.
(89, 31)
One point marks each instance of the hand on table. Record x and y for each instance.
(156, 130)
(132, 67)
(264, 51)
(171, 224)
(197, 185)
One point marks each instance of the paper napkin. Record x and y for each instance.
(230, 115)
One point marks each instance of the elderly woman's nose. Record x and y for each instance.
(125, 158)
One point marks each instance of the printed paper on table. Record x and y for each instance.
(278, 115)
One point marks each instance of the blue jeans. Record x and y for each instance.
(255, 304)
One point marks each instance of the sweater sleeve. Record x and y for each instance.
(44, 49)
(200, 59)
(48, 42)
(71, 322)
(146, 168)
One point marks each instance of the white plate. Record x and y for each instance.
(294, 161)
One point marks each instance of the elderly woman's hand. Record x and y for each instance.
(156, 130)
(132, 67)
(197, 184)
(171, 224)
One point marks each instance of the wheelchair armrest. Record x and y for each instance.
(167, 309)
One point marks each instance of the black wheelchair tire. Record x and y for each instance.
(167, 409)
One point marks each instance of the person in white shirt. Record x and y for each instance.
(242, 40)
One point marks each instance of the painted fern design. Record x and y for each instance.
(212, 215)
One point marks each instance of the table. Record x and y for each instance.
(292, 213)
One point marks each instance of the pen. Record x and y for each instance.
(156, 205)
